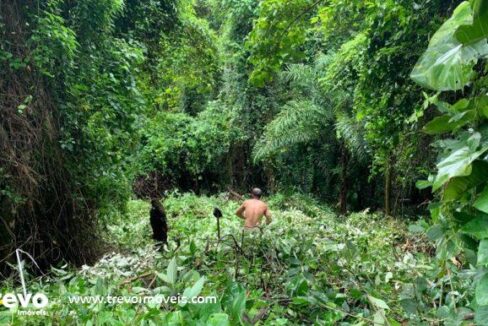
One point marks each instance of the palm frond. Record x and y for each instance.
(353, 135)
(298, 73)
(298, 122)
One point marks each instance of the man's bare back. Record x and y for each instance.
(252, 210)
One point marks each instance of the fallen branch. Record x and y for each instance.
(131, 279)
(234, 195)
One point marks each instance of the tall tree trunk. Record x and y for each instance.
(344, 185)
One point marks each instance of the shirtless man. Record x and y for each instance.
(252, 210)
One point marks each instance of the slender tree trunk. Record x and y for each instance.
(388, 188)
(372, 195)
(363, 188)
(344, 185)
(270, 178)
(230, 167)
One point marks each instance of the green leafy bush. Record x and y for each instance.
(188, 149)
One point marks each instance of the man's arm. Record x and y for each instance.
(267, 214)
(240, 211)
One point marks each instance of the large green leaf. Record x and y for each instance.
(457, 164)
(459, 106)
(447, 64)
(378, 303)
(438, 125)
(481, 315)
(195, 289)
(422, 184)
(447, 123)
(482, 291)
(238, 305)
(478, 30)
(477, 227)
(483, 253)
(436, 232)
(458, 186)
(481, 105)
(445, 107)
(481, 202)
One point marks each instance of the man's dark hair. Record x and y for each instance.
(256, 192)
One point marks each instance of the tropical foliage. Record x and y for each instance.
(448, 65)
(331, 107)
(308, 267)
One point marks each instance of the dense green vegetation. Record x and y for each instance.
(309, 267)
(332, 107)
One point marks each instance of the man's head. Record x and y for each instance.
(256, 193)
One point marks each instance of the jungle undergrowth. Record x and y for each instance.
(309, 266)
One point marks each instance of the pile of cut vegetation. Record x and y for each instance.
(308, 267)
